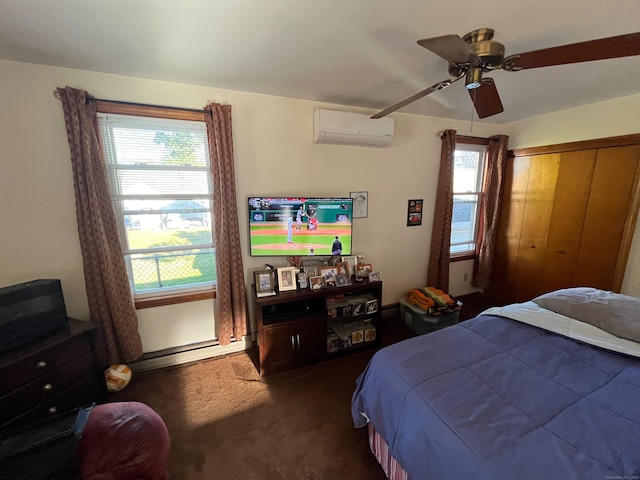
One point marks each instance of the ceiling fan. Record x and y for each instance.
(475, 54)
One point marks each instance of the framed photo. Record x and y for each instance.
(414, 212)
(316, 283)
(352, 262)
(360, 204)
(372, 306)
(343, 267)
(311, 271)
(302, 279)
(374, 276)
(363, 270)
(287, 279)
(265, 282)
(329, 274)
(343, 279)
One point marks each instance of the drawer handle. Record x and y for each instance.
(53, 410)
(41, 364)
(47, 387)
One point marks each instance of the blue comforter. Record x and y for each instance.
(492, 398)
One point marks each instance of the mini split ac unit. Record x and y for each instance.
(348, 128)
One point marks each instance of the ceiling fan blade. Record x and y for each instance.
(450, 47)
(486, 100)
(611, 47)
(417, 96)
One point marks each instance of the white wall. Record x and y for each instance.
(598, 120)
(274, 154)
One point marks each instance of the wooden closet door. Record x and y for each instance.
(510, 225)
(538, 205)
(567, 219)
(605, 216)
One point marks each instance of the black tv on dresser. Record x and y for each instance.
(29, 311)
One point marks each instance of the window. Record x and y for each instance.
(468, 174)
(161, 187)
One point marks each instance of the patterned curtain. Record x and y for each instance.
(438, 273)
(490, 210)
(111, 304)
(231, 296)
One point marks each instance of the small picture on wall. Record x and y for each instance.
(414, 212)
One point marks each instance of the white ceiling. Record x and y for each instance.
(352, 52)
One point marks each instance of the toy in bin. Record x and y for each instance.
(433, 300)
(428, 309)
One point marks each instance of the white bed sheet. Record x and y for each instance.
(532, 314)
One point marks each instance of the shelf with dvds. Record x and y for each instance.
(305, 326)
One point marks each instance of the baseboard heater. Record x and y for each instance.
(193, 352)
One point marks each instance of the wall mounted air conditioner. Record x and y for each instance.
(348, 128)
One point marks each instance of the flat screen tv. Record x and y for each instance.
(283, 226)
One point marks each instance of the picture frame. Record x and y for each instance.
(316, 283)
(363, 270)
(372, 306)
(343, 279)
(265, 282)
(360, 204)
(374, 276)
(329, 274)
(302, 279)
(287, 279)
(352, 261)
(311, 271)
(414, 212)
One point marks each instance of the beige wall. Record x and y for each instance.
(274, 154)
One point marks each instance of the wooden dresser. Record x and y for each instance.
(50, 375)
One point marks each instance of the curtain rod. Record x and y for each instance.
(119, 102)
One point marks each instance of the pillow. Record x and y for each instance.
(612, 312)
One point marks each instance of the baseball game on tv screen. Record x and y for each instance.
(300, 226)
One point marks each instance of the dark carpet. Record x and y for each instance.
(226, 422)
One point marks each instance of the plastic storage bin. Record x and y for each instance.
(421, 322)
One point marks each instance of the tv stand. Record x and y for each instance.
(306, 326)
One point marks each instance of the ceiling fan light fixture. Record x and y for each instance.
(473, 78)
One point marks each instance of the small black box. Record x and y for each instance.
(29, 311)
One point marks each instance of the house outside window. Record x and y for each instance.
(161, 187)
(468, 177)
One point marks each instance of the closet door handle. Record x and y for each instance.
(561, 252)
(532, 246)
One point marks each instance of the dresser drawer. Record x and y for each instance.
(45, 387)
(42, 363)
(82, 393)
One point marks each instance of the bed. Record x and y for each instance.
(543, 389)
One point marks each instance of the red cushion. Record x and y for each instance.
(124, 441)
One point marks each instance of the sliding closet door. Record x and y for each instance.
(565, 228)
(538, 205)
(508, 241)
(606, 213)
(568, 218)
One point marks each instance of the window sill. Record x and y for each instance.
(462, 256)
(161, 300)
